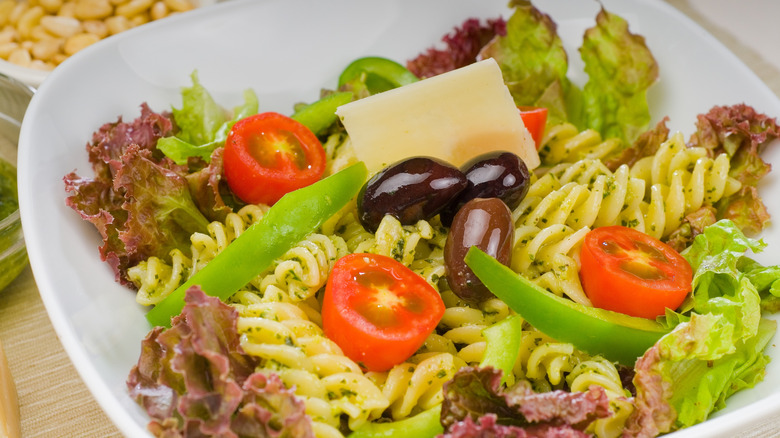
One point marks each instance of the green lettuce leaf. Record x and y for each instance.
(719, 287)
(204, 124)
(619, 65)
(620, 69)
(534, 62)
(717, 348)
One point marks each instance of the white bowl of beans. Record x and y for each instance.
(37, 35)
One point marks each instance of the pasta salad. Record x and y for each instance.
(263, 360)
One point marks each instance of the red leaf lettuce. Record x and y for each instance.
(195, 380)
(475, 404)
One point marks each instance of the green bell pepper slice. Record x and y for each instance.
(617, 337)
(375, 75)
(502, 347)
(319, 115)
(426, 424)
(292, 218)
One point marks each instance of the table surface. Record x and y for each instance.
(54, 400)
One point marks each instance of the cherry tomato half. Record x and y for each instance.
(378, 311)
(268, 155)
(627, 271)
(535, 119)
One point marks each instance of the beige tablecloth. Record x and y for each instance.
(54, 402)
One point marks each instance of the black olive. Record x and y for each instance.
(497, 174)
(411, 190)
(486, 224)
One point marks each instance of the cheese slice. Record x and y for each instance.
(454, 116)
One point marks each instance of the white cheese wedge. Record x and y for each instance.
(454, 116)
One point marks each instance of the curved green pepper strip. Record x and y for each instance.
(375, 74)
(319, 115)
(615, 336)
(426, 424)
(292, 218)
(502, 347)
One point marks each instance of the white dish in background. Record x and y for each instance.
(34, 77)
(286, 50)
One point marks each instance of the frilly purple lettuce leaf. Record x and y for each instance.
(746, 209)
(645, 145)
(161, 214)
(112, 139)
(210, 191)
(488, 427)
(742, 133)
(474, 393)
(195, 380)
(692, 225)
(462, 48)
(733, 128)
(98, 204)
(138, 200)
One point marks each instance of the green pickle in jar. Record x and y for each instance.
(13, 259)
(9, 201)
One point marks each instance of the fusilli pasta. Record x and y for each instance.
(565, 143)
(680, 181)
(156, 278)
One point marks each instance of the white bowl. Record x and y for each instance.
(287, 51)
(35, 77)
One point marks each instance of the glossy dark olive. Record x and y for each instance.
(486, 224)
(410, 190)
(498, 174)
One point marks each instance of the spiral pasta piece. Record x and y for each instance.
(156, 279)
(550, 364)
(220, 234)
(304, 268)
(462, 327)
(681, 180)
(583, 194)
(338, 152)
(349, 228)
(601, 372)
(294, 347)
(412, 387)
(547, 256)
(565, 143)
(419, 246)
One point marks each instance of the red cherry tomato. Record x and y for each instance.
(627, 271)
(268, 155)
(378, 311)
(535, 119)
